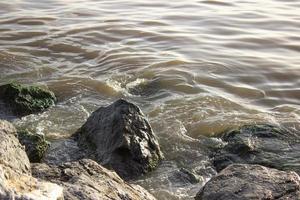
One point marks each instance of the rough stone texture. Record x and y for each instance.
(251, 182)
(35, 145)
(12, 153)
(7, 128)
(16, 182)
(18, 186)
(266, 145)
(119, 137)
(86, 179)
(24, 100)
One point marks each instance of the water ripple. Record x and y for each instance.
(195, 67)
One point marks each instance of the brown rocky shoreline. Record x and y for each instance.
(116, 144)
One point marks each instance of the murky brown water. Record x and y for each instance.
(196, 68)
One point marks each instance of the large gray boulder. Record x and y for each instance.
(119, 137)
(251, 182)
(86, 179)
(16, 182)
(266, 145)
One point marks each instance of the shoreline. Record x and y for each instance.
(230, 160)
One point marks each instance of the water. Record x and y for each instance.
(196, 68)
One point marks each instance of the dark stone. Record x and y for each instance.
(86, 179)
(266, 145)
(63, 150)
(24, 100)
(184, 177)
(119, 137)
(243, 181)
(35, 145)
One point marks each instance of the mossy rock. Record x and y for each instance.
(35, 145)
(24, 100)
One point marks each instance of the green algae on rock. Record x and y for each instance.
(35, 145)
(24, 100)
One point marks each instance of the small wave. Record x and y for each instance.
(217, 3)
(128, 88)
(196, 68)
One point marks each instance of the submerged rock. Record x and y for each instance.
(184, 177)
(266, 145)
(86, 179)
(119, 137)
(63, 150)
(16, 181)
(35, 145)
(242, 181)
(24, 100)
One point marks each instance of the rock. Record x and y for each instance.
(242, 181)
(119, 137)
(7, 128)
(63, 150)
(35, 145)
(184, 177)
(86, 179)
(16, 182)
(5, 112)
(17, 186)
(266, 145)
(12, 154)
(24, 100)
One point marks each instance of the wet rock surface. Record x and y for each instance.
(266, 145)
(86, 179)
(119, 137)
(184, 176)
(16, 181)
(243, 181)
(64, 150)
(35, 145)
(24, 100)
(5, 112)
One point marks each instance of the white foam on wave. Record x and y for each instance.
(135, 83)
(124, 88)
